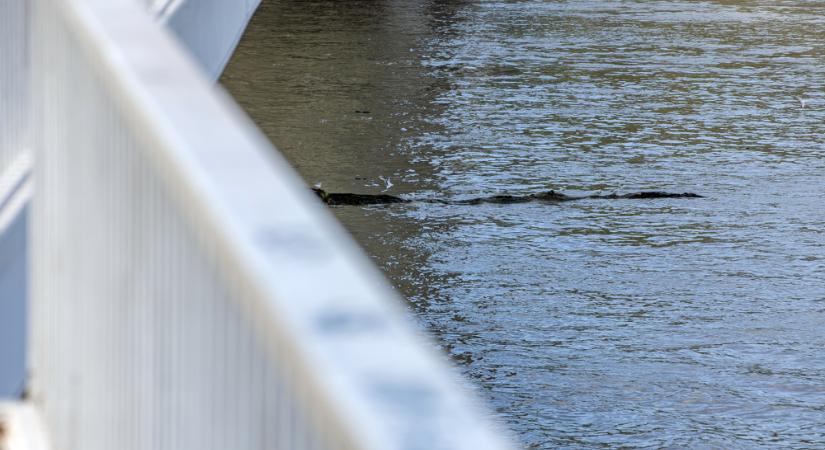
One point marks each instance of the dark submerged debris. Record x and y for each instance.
(341, 199)
(648, 194)
(338, 199)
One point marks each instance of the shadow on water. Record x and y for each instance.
(340, 89)
(655, 324)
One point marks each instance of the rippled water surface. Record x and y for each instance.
(663, 323)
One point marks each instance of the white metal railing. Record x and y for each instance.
(21, 428)
(210, 30)
(13, 81)
(187, 292)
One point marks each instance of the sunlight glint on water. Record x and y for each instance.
(680, 323)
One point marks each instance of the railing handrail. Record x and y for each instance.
(320, 300)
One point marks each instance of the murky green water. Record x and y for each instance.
(665, 323)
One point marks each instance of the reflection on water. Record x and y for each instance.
(678, 322)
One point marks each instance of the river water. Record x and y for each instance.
(694, 323)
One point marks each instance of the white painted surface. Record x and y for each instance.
(188, 292)
(13, 81)
(210, 29)
(21, 427)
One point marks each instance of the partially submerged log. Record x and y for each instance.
(340, 199)
(337, 199)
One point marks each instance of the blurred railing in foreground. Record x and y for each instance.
(186, 290)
